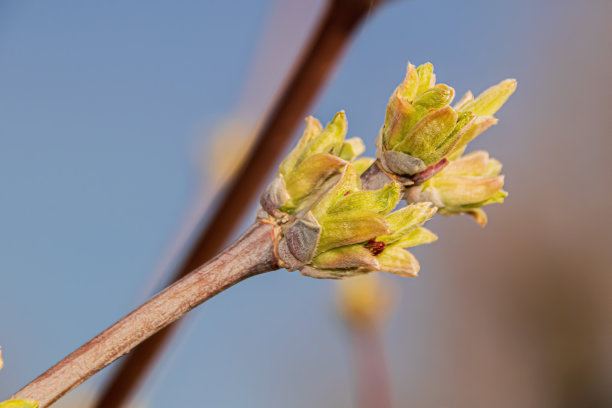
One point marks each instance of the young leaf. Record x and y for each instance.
(489, 102)
(379, 201)
(350, 227)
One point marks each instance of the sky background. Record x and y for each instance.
(107, 116)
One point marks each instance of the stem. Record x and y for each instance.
(252, 254)
(313, 68)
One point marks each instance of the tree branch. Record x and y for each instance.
(253, 253)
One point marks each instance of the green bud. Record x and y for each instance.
(463, 186)
(489, 102)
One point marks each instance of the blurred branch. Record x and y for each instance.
(335, 29)
(371, 373)
(364, 303)
(252, 254)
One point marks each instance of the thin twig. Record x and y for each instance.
(336, 27)
(252, 254)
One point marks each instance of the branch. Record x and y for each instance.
(252, 254)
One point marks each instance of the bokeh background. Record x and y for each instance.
(108, 117)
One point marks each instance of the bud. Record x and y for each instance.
(421, 129)
(328, 225)
(463, 186)
(19, 403)
(364, 301)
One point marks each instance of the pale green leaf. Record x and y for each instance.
(398, 261)
(351, 256)
(489, 102)
(379, 201)
(427, 79)
(418, 236)
(351, 148)
(350, 227)
(329, 140)
(402, 221)
(313, 129)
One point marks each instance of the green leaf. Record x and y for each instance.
(427, 79)
(350, 227)
(489, 102)
(458, 191)
(402, 221)
(435, 98)
(351, 148)
(362, 164)
(408, 88)
(427, 135)
(418, 236)
(19, 403)
(398, 261)
(479, 125)
(400, 118)
(308, 175)
(351, 256)
(329, 140)
(349, 181)
(379, 201)
(474, 164)
(313, 129)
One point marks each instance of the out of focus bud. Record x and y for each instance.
(463, 186)
(364, 301)
(19, 403)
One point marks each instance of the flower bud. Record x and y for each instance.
(463, 186)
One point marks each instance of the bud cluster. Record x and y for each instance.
(335, 212)
(423, 138)
(329, 226)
